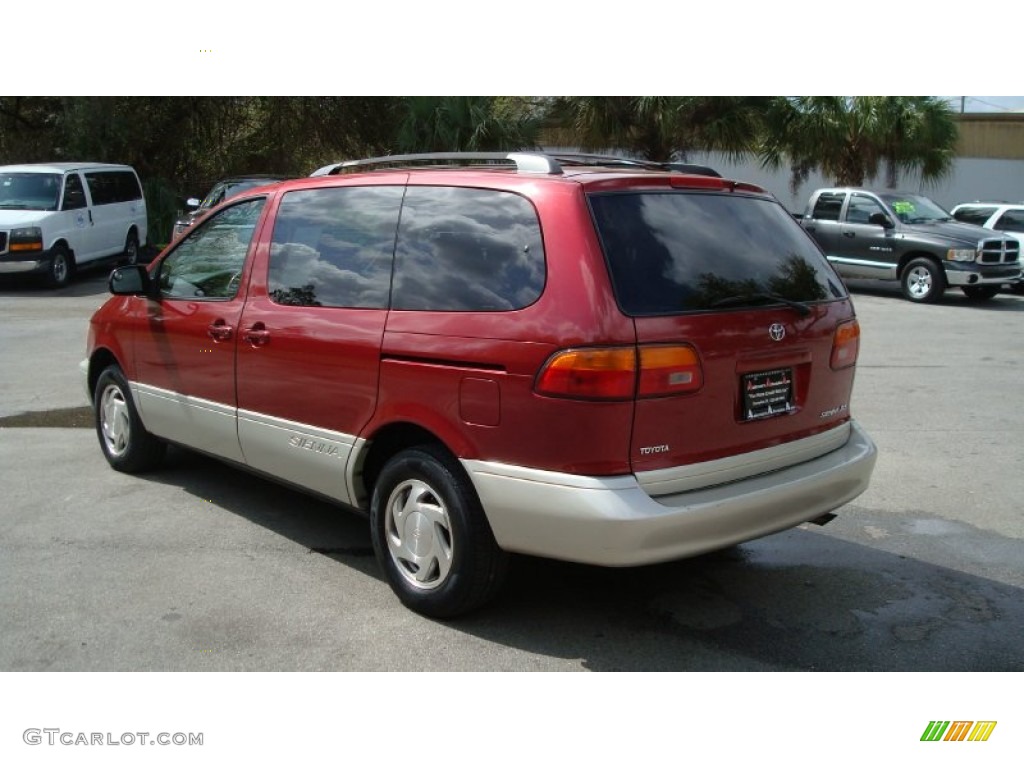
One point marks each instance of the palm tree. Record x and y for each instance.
(467, 123)
(851, 138)
(659, 128)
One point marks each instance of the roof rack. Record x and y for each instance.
(524, 162)
(583, 158)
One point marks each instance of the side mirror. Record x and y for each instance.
(881, 220)
(130, 281)
(193, 202)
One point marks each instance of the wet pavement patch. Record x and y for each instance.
(74, 418)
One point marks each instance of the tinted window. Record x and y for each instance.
(74, 193)
(860, 209)
(207, 264)
(974, 214)
(678, 252)
(467, 250)
(334, 247)
(113, 187)
(1011, 221)
(828, 205)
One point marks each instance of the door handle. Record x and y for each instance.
(849, 234)
(258, 335)
(219, 330)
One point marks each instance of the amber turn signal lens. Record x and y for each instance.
(845, 345)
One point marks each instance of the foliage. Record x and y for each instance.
(850, 139)
(659, 128)
(466, 123)
(182, 145)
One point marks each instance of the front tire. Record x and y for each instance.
(431, 537)
(62, 266)
(923, 281)
(126, 444)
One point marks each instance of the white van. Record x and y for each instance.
(56, 217)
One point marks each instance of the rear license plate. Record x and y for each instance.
(768, 393)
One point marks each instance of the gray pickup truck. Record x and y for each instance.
(909, 238)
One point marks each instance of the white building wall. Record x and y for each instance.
(971, 179)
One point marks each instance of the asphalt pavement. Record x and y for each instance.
(200, 566)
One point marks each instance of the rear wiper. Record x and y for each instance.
(762, 298)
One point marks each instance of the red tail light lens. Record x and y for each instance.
(845, 345)
(592, 374)
(612, 373)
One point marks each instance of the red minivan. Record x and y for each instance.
(494, 353)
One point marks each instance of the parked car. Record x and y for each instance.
(1007, 218)
(909, 238)
(607, 365)
(56, 218)
(221, 191)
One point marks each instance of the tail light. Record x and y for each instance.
(845, 345)
(614, 373)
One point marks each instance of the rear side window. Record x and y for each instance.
(828, 205)
(1011, 221)
(463, 249)
(973, 214)
(679, 252)
(108, 187)
(334, 247)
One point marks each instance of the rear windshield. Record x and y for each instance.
(672, 252)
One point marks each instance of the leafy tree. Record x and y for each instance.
(851, 138)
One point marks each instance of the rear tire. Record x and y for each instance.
(923, 281)
(431, 537)
(126, 444)
(131, 249)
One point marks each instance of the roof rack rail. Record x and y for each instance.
(524, 162)
(584, 158)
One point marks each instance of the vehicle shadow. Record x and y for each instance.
(92, 283)
(1001, 302)
(799, 600)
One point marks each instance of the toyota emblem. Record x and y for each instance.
(777, 331)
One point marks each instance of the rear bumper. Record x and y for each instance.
(612, 521)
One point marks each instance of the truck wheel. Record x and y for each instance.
(980, 292)
(62, 265)
(126, 444)
(923, 281)
(431, 537)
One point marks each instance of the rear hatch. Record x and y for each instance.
(746, 335)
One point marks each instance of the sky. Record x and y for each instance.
(986, 103)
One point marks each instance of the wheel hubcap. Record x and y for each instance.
(419, 535)
(115, 425)
(132, 252)
(60, 268)
(919, 282)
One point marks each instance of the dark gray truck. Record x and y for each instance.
(909, 238)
